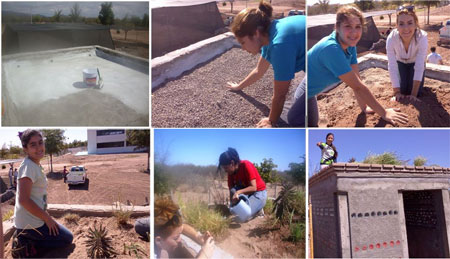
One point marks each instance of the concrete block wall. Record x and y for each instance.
(375, 205)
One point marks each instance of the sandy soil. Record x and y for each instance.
(137, 42)
(199, 98)
(120, 236)
(437, 16)
(111, 178)
(338, 107)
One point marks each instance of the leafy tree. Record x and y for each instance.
(387, 158)
(161, 181)
(37, 18)
(324, 5)
(54, 143)
(145, 21)
(140, 139)
(420, 161)
(297, 172)
(57, 15)
(106, 14)
(3, 151)
(75, 13)
(266, 170)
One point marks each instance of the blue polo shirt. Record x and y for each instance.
(326, 62)
(286, 49)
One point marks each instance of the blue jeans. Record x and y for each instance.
(406, 72)
(296, 115)
(257, 200)
(42, 238)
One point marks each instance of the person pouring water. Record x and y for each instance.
(243, 179)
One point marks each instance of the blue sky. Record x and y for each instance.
(408, 144)
(204, 146)
(9, 136)
(88, 9)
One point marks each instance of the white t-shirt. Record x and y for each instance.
(434, 58)
(22, 218)
(417, 52)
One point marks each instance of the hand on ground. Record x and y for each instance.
(264, 123)
(398, 97)
(394, 116)
(233, 86)
(412, 98)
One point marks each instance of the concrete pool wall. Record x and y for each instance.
(46, 89)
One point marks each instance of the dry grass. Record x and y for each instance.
(71, 218)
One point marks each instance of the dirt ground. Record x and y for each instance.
(253, 239)
(338, 107)
(111, 178)
(137, 42)
(200, 98)
(120, 236)
(279, 6)
(437, 16)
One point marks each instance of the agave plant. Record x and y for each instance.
(283, 204)
(134, 250)
(99, 244)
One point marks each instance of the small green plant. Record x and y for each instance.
(71, 218)
(268, 207)
(420, 161)
(283, 203)
(134, 250)
(204, 219)
(122, 215)
(387, 158)
(99, 243)
(297, 232)
(8, 215)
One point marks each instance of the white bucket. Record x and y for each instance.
(242, 210)
(90, 76)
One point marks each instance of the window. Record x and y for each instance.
(111, 144)
(110, 132)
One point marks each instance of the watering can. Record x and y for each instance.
(242, 209)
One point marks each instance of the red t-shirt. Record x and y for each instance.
(244, 175)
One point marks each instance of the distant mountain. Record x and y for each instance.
(17, 14)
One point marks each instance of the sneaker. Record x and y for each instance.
(260, 214)
(23, 247)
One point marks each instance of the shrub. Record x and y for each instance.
(134, 250)
(297, 232)
(202, 218)
(8, 215)
(3, 166)
(98, 243)
(387, 158)
(420, 161)
(71, 218)
(122, 215)
(268, 207)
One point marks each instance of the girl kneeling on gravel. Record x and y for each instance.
(243, 178)
(35, 228)
(169, 227)
(333, 59)
(406, 48)
(282, 45)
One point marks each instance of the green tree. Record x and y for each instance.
(145, 21)
(266, 170)
(3, 151)
(324, 5)
(140, 139)
(106, 14)
(297, 172)
(364, 5)
(387, 158)
(54, 143)
(428, 4)
(161, 181)
(57, 15)
(75, 13)
(420, 161)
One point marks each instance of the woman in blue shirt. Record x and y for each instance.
(333, 59)
(282, 44)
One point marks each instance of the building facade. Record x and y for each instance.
(380, 211)
(108, 141)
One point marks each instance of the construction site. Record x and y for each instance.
(380, 211)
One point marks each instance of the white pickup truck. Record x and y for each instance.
(444, 33)
(76, 175)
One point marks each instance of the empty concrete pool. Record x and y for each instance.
(47, 89)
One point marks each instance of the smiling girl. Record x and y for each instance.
(333, 59)
(35, 228)
(406, 48)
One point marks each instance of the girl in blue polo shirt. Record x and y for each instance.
(282, 44)
(333, 59)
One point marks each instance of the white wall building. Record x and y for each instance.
(108, 141)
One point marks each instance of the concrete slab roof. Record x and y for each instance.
(325, 19)
(46, 89)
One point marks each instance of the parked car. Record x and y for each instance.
(76, 175)
(444, 33)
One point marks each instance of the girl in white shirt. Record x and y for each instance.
(406, 49)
